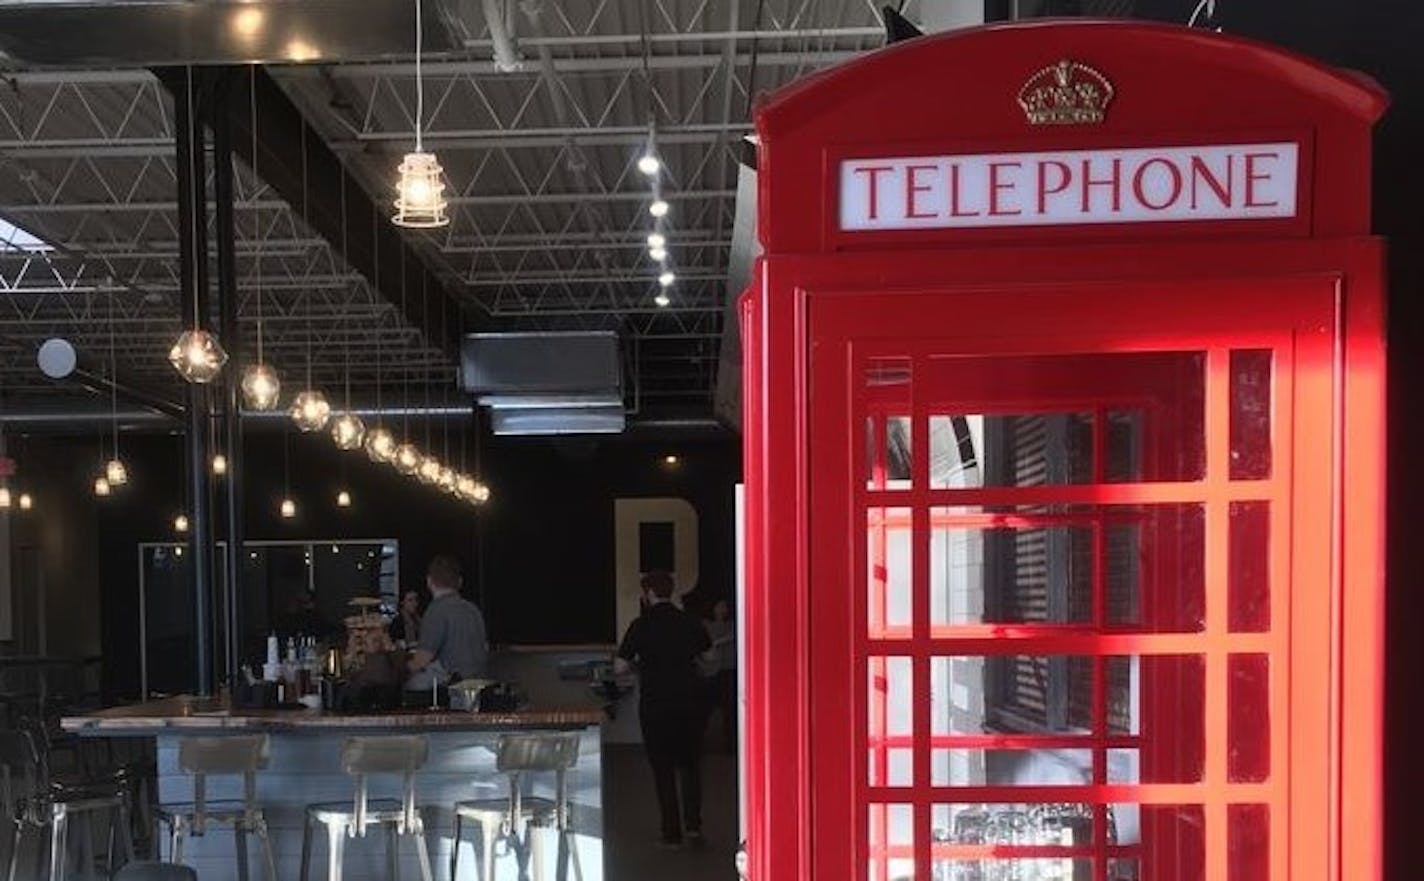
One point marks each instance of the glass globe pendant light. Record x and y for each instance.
(448, 480)
(420, 193)
(348, 431)
(101, 487)
(310, 411)
(407, 459)
(261, 390)
(197, 356)
(429, 472)
(380, 445)
(116, 473)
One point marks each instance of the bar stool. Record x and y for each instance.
(360, 758)
(513, 820)
(204, 757)
(155, 872)
(39, 801)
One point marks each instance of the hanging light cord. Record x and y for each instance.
(192, 163)
(344, 251)
(380, 319)
(405, 374)
(113, 377)
(256, 217)
(419, 81)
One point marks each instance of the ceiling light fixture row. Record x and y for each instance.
(652, 165)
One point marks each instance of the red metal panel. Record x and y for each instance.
(1145, 287)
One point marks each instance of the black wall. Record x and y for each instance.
(539, 558)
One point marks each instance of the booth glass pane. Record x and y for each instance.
(1249, 584)
(888, 556)
(1174, 836)
(1037, 420)
(891, 842)
(888, 442)
(1248, 719)
(1011, 767)
(1250, 414)
(1248, 842)
(890, 721)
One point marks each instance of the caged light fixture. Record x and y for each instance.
(420, 192)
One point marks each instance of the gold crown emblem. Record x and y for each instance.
(1066, 93)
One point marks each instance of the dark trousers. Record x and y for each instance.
(672, 736)
(723, 699)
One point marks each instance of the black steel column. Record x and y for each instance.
(192, 260)
(227, 88)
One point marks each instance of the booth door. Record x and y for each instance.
(1070, 583)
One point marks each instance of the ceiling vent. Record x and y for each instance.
(545, 383)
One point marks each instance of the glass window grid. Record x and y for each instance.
(1100, 639)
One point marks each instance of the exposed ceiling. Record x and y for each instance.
(549, 214)
(539, 135)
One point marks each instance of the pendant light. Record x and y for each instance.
(115, 474)
(407, 457)
(27, 501)
(287, 508)
(347, 430)
(219, 465)
(101, 487)
(5, 499)
(343, 499)
(261, 389)
(196, 354)
(310, 409)
(420, 190)
(380, 443)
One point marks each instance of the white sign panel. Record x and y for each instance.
(1219, 182)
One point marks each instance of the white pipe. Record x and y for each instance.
(506, 53)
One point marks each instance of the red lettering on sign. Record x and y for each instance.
(1252, 176)
(996, 186)
(1140, 190)
(1114, 181)
(872, 174)
(1202, 173)
(913, 187)
(1065, 177)
(954, 209)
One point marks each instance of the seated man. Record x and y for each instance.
(452, 633)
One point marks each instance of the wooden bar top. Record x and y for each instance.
(192, 714)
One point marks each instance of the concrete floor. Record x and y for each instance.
(631, 821)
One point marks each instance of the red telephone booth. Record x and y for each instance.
(1064, 449)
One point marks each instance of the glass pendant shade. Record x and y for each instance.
(420, 193)
(659, 208)
(380, 445)
(220, 464)
(101, 487)
(288, 509)
(447, 480)
(116, 473)
(310, 411)
(407, 459)
(197, 356)
(261, 389)
(465, 487)
(343, 499)
(348, 431)
(481, 493)
(26, 501)
(180, 523)
(4, 497)
(429, 472)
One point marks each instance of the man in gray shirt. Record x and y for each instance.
(452, 633)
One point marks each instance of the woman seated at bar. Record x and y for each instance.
(405, 627)
(452, 633)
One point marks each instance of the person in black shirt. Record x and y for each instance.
(665, 643)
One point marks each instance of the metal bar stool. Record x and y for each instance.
(514, 821)
(204, 757)
(362, 757)
(38, 802)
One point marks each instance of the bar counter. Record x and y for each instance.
(304, 768)
(188, 715)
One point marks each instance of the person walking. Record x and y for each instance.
(665, 644)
